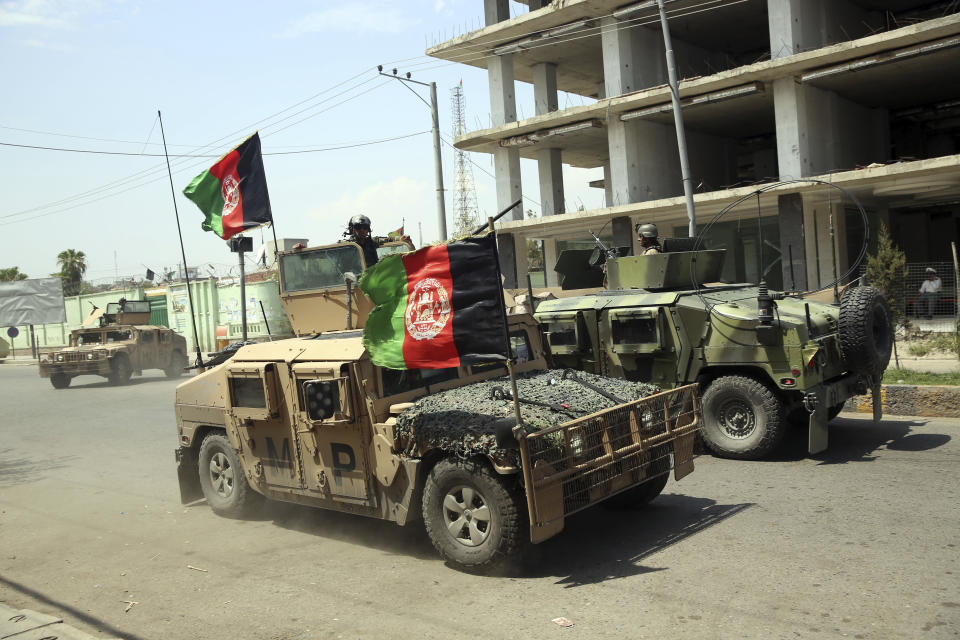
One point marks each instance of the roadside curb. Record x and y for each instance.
(910, 400)
(18, 363)
(20, 623)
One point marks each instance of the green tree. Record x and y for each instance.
(12, 274)
(886, 269)
(73, 264)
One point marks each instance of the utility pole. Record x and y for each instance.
(678, 120)
(437, 156)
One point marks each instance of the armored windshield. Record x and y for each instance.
(319, 268)
(129, 306)
(81, 339)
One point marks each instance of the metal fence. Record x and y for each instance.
(933, 311)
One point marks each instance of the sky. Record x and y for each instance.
(91, 75)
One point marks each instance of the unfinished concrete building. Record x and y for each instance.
(864, 94)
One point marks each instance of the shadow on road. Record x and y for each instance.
(377, 534)
(602, 544)
(71, 613)
(854, 440)
(15, 471)
(597, 545)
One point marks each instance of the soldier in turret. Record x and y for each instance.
(649, 239)
(358, 231)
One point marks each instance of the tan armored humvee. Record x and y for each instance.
(115, 343)
(311, 420)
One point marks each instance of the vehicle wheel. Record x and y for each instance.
(178, 362)
(222, 479)
(639, 495)
(471, 515)
(60, 380)
(742, 418)
(866, 335)
(120, 370)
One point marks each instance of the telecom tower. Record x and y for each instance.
(465, 210)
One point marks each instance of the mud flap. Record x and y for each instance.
(188, 475)
(817, 435)
(876, 395)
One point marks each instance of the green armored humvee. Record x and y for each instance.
(763, 359)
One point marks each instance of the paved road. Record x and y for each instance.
(860, 542)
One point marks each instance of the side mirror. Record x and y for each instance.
(322, 398)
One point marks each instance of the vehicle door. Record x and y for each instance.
(333, 431)
(147, 349)
(260, 425)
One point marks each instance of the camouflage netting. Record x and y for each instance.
(462, 420)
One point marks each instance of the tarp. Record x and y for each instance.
(35, 301)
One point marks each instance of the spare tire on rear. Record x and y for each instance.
(866, 333)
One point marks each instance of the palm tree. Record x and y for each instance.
(12, 275)
(73, 264)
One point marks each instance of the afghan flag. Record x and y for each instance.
(232, 194)
(441, 306)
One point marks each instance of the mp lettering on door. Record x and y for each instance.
(343, 460)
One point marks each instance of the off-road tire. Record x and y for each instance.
(60, 380)
(742, 418)
(222, 480)
(178, 362)
(120, 370)
(500, 500)
(640, 495)
(866, 334)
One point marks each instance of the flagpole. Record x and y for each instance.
(273, 227)
(506, 326)
(186, 272)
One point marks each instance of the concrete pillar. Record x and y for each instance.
(506, 167)
(817, 218)
(503, 104)
(804, 25)
(551, 181)
(506, 162)
(607, 186)
(495, 11)
(819, 132)
(622, 228)
(545, 88)
(792, 242)
(513, 260)
(550, 254)
(623, 143)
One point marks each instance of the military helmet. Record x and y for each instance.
(359, 220)
(648, 230)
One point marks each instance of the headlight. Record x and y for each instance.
(577, 445)
(89, 356)
(59, 357)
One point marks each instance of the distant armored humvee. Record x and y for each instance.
(761, 359)
(311, 420)
(122, 344)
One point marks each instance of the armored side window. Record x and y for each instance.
(254, 391)
(146, 337)
(248, 392)
(636, 331)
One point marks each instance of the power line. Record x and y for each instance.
(158, 171)
(211, 155)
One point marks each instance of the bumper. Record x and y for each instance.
(572, 466)
(81, 368)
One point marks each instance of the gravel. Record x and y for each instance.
(462, 420)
